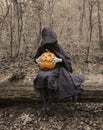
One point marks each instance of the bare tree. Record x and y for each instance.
(91, 4)
(99, 26)
(2, 20)
(11, 31)
(39, 12)
(82, 14)
(20, 25)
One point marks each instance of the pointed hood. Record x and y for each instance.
(48, 36)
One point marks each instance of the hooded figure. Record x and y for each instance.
(60, 79)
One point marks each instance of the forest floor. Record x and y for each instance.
(65, 116)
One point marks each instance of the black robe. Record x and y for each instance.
(61, 78)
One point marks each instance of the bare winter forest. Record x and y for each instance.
(79, 27)
(78, 24)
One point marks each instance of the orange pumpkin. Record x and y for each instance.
(47, 61)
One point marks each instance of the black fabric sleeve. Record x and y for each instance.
(66, 60)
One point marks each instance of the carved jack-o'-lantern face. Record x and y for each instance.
(47, 61)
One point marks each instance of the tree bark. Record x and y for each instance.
(100, 26)
(90, 30)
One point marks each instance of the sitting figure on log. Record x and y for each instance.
(55, 74)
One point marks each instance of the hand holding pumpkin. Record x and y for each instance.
(47, 61)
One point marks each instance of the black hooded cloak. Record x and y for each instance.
(61, 78)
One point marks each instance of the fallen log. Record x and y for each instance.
(14, 92)
(29, 96)
(22, 91)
